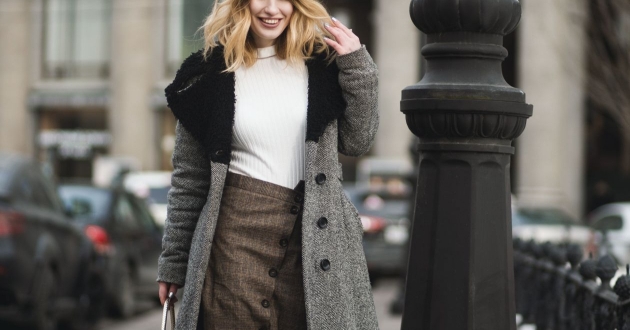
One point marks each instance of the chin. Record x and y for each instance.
(272, 38)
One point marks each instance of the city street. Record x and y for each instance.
(481, 147)
(384, 292)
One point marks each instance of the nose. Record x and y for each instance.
(272, 7)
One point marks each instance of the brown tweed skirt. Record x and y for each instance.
(254, 277)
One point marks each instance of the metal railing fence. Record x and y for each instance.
(557, 290)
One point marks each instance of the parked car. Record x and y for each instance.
(377, 173)
(152, 186)
(548, 225)
(384, 216)
(128, 236)
(49, 271)
(611, 226)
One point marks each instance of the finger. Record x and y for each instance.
(345, 40)
(339, 35)
(335, 45)
(162, 292)
(343, 28)
(335, 31)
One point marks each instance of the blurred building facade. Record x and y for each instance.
(551, 70)
(83, 79)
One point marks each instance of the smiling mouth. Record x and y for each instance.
(270, 22)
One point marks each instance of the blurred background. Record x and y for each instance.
(86, 140)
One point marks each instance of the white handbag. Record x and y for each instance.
(169, 308)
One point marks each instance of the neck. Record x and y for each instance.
(266, 52)
(262, 43)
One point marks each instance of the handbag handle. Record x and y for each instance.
(169, 306)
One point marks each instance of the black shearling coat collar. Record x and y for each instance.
(202, 99)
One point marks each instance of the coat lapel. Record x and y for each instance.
(202, 98)
(325, 99)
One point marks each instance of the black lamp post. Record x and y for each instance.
(460, 274)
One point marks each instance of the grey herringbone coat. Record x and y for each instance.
(342, 116)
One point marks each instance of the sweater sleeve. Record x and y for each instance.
(190, 184)
(358, 78)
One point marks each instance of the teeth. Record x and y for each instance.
(270, 21)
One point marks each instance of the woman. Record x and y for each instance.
(259, 229)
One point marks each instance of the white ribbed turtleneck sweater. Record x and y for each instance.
(270, 120)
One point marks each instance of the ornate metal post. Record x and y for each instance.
(545, 303)
(586, 294)
(460, 273)
(574, 282)
(520, 275)
(559, 258)
(622, 289)
(605, 298)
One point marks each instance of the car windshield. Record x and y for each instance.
(89, 204)
(382, 204)
(158, 195)
(6, 173)
(5, 181)
(541, 217)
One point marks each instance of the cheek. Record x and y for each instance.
(255, 7)
(287, 11)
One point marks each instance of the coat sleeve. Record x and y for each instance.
(190, 184)
(358, 77)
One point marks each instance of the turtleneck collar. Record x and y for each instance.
(267, 52)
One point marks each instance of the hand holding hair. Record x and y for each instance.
(345, 41)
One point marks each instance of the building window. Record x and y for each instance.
(76, 39)
(184, 17)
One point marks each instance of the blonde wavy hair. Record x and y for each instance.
(229, 25)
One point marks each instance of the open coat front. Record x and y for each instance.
(342, 116)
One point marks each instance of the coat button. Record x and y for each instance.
(295, 209)
(265, 303)
(325, 264)
(273, 272)
(219, 153)
(320, 178)
(322, 222)
(298, 199)
(284, 242)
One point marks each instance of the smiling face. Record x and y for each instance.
(269, 19)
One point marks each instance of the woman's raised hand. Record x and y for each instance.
(345, 40)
